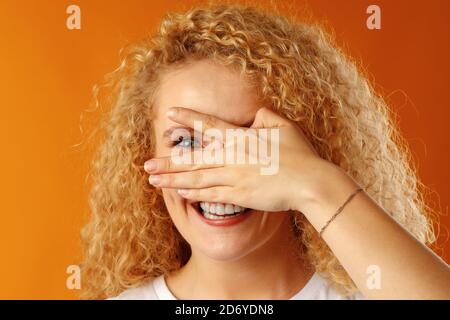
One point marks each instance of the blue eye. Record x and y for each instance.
(186, 142)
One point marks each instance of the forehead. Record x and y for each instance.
(207, 87)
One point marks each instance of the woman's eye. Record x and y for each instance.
(185, 142)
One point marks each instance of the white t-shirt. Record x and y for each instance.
(315, 289)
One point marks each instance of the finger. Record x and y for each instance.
(173, 164)
(187, 117)
(267, 118)
(223, 194)
(193, 179)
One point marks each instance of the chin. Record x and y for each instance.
(221, 238)
(222, 232)
(223, 248)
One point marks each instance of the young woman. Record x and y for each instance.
(341, 218)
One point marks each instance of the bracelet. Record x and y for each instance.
(339, 211)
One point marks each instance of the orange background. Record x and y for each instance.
(47, 73)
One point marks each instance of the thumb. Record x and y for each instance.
(267, 118)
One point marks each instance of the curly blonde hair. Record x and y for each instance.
(302, 74)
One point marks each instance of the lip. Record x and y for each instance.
(224, 222)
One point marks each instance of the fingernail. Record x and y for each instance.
(150, 165)
(172, 112)
(154, 180)
(183, 192)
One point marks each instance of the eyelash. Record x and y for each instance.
(181, 139)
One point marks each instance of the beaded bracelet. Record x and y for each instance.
(339, 210)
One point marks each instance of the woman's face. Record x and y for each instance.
(213, 89)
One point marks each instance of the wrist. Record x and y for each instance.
(325, 192)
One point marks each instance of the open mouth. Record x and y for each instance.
(219, 211)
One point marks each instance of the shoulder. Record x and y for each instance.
(143, 292)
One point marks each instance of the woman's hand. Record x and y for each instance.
(296, 181)
(364, 236)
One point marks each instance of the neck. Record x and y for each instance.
(273, 271)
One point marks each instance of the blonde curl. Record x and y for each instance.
(302, 74)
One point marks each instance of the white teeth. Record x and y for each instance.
(212, 216)
(220, 209)
(218, 217)
(204, 206)
(229, 208)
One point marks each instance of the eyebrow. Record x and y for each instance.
(168, 133)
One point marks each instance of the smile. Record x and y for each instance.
(220, 210)
(221, 214)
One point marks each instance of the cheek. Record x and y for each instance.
(171, 199)
(271, 222)
(161, 150)
(176, 206)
